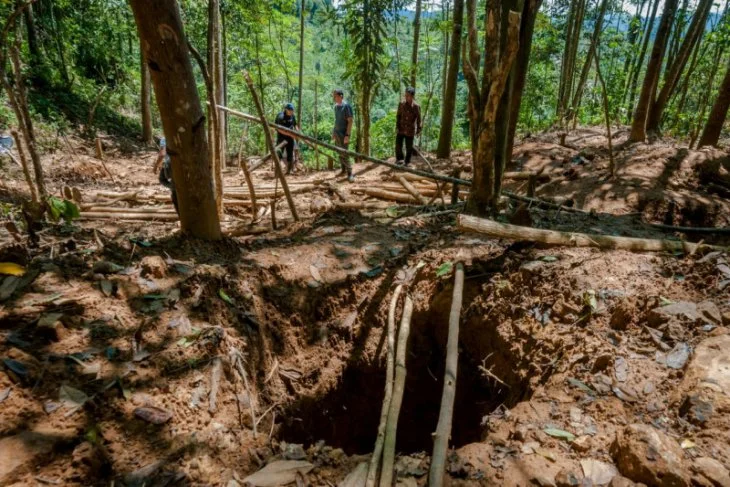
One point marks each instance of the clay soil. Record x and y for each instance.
(118, 325)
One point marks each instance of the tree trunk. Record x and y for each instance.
(445, 42)
(416, 35)
(449, 104)
(606, 113)
(648, 89)
(33, 47)
(633, 83)
(575, 25)
(166, 50)
(718, 114)
(365, 117)
(674, 71)
(146, 98)
(301, 60)
(216, 130)
(578, 95)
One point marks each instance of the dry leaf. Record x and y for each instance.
(315, 273)
(278, 473)
(153, 414)
(11, 269)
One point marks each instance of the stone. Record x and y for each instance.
(645, 454)
(623, 316)
(568, 478)
(320, 205)
(697, 408)
(682, 311)
(712, 470)
(621, 481)
(153, 266)
(581, 444)
(710, 364)
(709, 312)
(597, 472)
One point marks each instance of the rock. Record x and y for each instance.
(153, 266)
(621, 481)
(597, 472)
(712, 470)
(320, 204)
(357, 477)
(678, 356)
(710, 364)
(709, 312)
(697, 408)
(623, 316)
(18, 452)
(581, 444)
(683, 311)
(543, 481)
(568, 478)
(726, 318)
(645, 454)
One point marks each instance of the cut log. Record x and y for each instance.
(391, 429)
(389, 370)
(413, 191)
(553, 237)
(108, 209)
(443, 429)
(363, 205)
(390, 195)
(115, 197)
(129, 215)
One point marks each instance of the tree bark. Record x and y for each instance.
(674, 71)
(146, 99)
(606, 113)
(33, 46)
(449, 104)
(718, 114)
(166, 50)
(24, 165)
(301, 61)
(416, 36)
(648, 89)
(215, 69)
(633, 83)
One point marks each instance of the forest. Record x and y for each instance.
(365, 242)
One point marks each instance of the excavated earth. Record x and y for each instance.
(122, 346)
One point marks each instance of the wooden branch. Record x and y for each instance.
(238, 361)
(553, 237)
(270, 144)
(389, 195)
(339, 150)
(151, 210)
(131, 215)
(708, 230)
(413, 191)
(391, 428)
(215, 379)
(24, 165)
(389, 370)
(266, 158)
(443, 429)
(247, 176)
(362, 205)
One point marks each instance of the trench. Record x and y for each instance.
(347, 415)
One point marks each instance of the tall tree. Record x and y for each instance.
(301, 60)
(675, 68)
(416, 36)
(146, 99)
(718, 114)
(215, 68)
(449, 103)
(651, 78)
(161, 33)
(633, 82)
(570, 53)
(30, 27)
(485, 94)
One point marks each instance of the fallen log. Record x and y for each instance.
(389, 195)
(266, 158)
(389, 369)
(172, 217)
(413, 191)
(391, 428)
(554, 237)
(109, 209)
(362, 205)
(708, 230)
(443, 429)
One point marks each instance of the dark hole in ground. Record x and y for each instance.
(347, 415)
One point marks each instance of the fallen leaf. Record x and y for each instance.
(17, 368)
(106, 287)
(357, 477)
(599, 473)
(546, 454)
(225, 297)
(548, 258)
(11, 269)
(315, 273)
(8, 287)
(444, 269)
(71, 396)
(153, 414)
(558, 433)
(4, 394)
(581, 385)
(278, 473)
(392, 212)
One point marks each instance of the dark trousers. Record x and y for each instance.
(289, 148)
(399, 148)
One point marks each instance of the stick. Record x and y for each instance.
(270, 145)
(340, 150)
(172, 217)
(264, 159)
(443, 430)
(413, 191)
(718, 231)
(526, 175)
(389, 195)
(242, 372)
(24, 165)
(247, 175)
(215, 378)
(391, 428)
(390, 366)
(108, 209)
(553, 237)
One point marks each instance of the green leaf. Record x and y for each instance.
(549, 258)
(581, 385)
(392, 211)
(62, 208)
(154, 297)
(589, 299)
(665, 301)
(562, 434)
(444, 269)
(225, 297)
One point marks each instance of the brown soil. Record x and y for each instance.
(306, 307)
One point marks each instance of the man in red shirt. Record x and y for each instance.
(408, 124)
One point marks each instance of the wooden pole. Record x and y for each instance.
(266, 158)
(316, 149)
(346, 152)
(389, 369)
(391, 428)
(270, 145)
(247, 175)
(553, 237)
(443, 430)
(413, 191)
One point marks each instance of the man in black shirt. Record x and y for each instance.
(287, 119)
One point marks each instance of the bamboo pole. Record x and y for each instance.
(266, 158)
(350, 153)
(389, 369)
(391, 428)
(247, 176)
(553, 237)
(389, 195)
(413, 191)
(443, 430)
(270, 145)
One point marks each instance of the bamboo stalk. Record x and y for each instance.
(443, 430)
(215, 379)
(270, 144)
(413, 191)
(362, 205)
(389, 369)
(247, 176)
(553, 237)
(391, 428)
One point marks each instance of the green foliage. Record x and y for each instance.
(62, 208)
